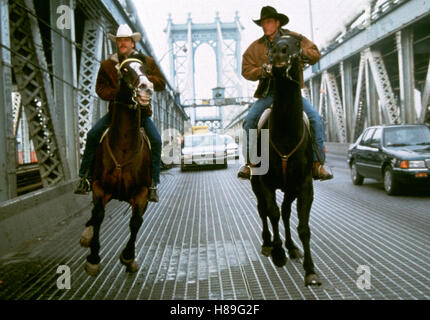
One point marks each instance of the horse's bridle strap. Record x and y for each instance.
(129, 60)
(285, 158)
(117, 164)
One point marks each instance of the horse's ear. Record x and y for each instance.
(139, 55)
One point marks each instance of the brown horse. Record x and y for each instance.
(122, 164)
(290, 162)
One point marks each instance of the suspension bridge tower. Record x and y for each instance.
(224, 38)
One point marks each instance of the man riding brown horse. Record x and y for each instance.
(257, 67)
(106, 88)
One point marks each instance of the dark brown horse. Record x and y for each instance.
(122, 164)
(290, 164)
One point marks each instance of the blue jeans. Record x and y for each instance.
(95, 134)
(257, 109)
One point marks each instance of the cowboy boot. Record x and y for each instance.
(83, 187)
(319, 172)
(153, 196)
(245, 171)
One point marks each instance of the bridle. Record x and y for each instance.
(135, 104)
(289, 62)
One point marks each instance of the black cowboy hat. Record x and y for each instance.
(270, 12)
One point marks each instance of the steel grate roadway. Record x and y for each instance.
(202, 241)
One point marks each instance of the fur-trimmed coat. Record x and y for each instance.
(107, 78)
(257, 54)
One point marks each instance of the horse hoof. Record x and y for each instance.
(295, 254)
(92, 269)
(278, 257)
(131, 265)
(312, 280)
(87, 236)
(266, 251)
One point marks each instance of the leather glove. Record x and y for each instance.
(139, 55)
(267, 70)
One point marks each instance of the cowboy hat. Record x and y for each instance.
(270, 12)
(124, 31)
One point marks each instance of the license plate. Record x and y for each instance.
(421, 175)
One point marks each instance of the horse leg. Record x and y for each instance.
(278, 253)
(304, 204)
(90, 237)
(267, 246)
(293, 250)
(127, 256)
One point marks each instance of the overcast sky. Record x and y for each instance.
(328, 16)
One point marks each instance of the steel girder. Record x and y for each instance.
(64, 68)
(425, 102)
(7, 135)
(383, 85)
(360, 103)
(34, 85)
(86, 99)
(404, 41)
(332, 108)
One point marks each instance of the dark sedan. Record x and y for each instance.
(396, 154)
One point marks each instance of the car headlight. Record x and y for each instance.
(413, 164)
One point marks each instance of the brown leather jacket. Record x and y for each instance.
(257, 54)
(107, 78)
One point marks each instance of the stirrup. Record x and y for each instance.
(84, 186)
(153, 195)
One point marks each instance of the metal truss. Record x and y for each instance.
(335, 103)
(360, 103)
(34, 85)
(86, 100)
(383, 85)
(425, 102)
(16, 109)
(212, 124)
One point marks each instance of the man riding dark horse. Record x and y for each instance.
(106, 88)
(256, 66)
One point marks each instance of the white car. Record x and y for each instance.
(232, 147)
(203, 150)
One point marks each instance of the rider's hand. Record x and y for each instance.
(267, 70)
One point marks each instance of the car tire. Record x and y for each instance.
(391, 186)
(356, 178)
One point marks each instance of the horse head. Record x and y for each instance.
(285, 53)
(132, 72)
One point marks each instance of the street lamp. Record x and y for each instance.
(311, 21)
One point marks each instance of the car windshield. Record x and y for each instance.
(202, 141)
(228, 139)
(406, 136)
